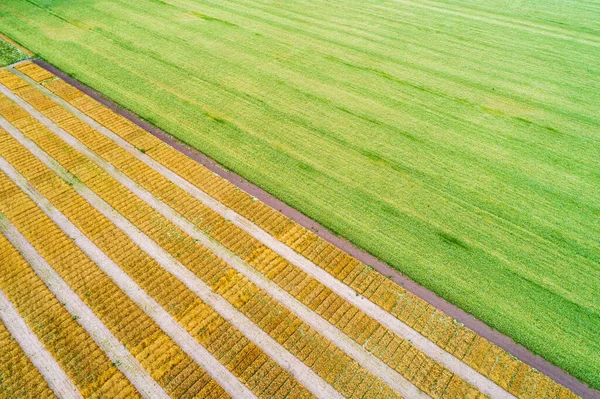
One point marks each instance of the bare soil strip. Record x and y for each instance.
(145, 302)
(56, 378)
(273, 349)
(444, 358)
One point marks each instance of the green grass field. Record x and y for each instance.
(457, 140)
(9, 54)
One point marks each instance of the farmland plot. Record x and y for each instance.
(130, 270)
(456, 140)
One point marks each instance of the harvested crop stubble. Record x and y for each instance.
(84, 362)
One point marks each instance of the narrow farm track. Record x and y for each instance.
(164, 280)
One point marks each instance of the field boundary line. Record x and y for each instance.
(105, 339)
(23, 49)
(53, 374)
(175, 331)
(373, 310)
(499, 339)
(304, 374)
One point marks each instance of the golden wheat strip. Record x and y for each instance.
(56, 378)
(458, 367)
(196, 351)
(20, 377)
(304, 374)
(86, 317)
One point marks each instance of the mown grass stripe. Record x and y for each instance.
(115, 350)
(133, 291)
(54, 375)
(448, 360)
(273, 349)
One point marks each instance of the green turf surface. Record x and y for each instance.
(457, 140)
(9, 54)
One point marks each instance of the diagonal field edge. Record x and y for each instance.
(442, 357)
(332, 333)
(501, 340)
(115, 350)
(272, 348)
(43, 361)
(175, 331)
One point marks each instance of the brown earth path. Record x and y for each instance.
(324, 322)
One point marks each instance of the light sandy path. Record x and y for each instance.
(115, 350)
(56, 378)
(304, 374)
(388, 320)
(189, 345)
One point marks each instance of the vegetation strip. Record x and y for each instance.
(444, 358)
(56, 378)
(277, 352)
(144, 301)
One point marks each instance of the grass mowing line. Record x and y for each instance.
(144, 301)
(455, 365)
(273, 349)
(54, 375)
(506, 22)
